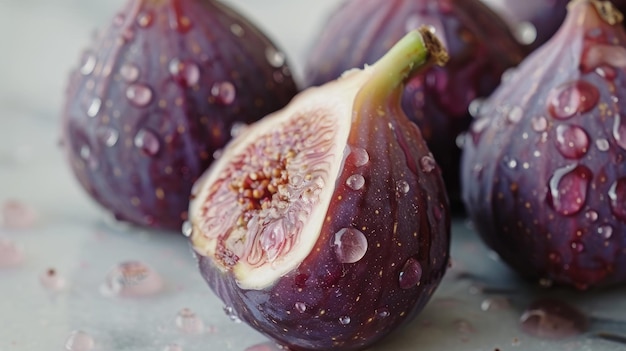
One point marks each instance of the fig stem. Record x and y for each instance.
(416, 51)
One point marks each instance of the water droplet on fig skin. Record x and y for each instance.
(51, 280)
(132, 279)
(525, 33)
(606, 231)
(186, 72)
(224, 92)
(571, 141)
(231, 314)
(129, 72)
(187, 228)
(237, 128)
(300, 307)
(145, 19)
(188, 322)
(237, 30)
(553, 319)
(345, 320)
(275, 58)
(89, 64)
(567, 189)
(359, 157)
(139, 94)
(619, 131)
(403, 187)
(350, 245)
(539, 124)
(475, 106)
(94, 108)
(355, 182)
(147, 142)
(617, 195)
(515, 115)
(108, 136)
(591, 215)
(10, 254)
(602, 145)
(411, 274)
(428, 164)
(571, 98)
(79, 340)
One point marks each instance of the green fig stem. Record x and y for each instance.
(415, 52)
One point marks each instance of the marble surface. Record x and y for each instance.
(40, 41)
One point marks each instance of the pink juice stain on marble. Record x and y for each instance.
(266, 346)
(16, 215)
(553, 319)
(11, 254)
(188, 322)
(132, 279)
(79, 341)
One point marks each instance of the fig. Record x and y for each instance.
(157, 94)
(326, 224)
(543, 169)
(481, 49)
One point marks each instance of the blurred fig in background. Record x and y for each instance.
(480, 45)
(158, 93)
(544, 170)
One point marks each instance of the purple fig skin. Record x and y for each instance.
(543, 166)
(401, 209)
(481, 49)
(157, 94)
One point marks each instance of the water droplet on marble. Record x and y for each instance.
(17, 215)
(224, 92)
(139, 94)
(428, 164)
(606, 231)
(89, 64)
(274, 57)
(129, 72)
(350, 245)
(617, 195)
(300, 307)
(11, 255)
(602, 144)
(571, 98)
(186, 72)
(344, 320)
(525, 33)
(359, 156)
(591, 215)
(107, 135)
(231, 314)
(355, 182)
(187, 228)
(145, 19)
(51, 280)
(79, 341)
(237, 30)
(571, 141)
(567, 189)
(173, 347)
(411, 274)
(475, 106)
(515, 115)
(94, 107)
(132, 279)
(553, 319)
(495, 304)
(539, 124)
(147, 142)
(189, 322)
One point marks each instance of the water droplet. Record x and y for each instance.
(539, 124)
(178, 21)
(382, 313)
(173, 347)
(591, 215)
(86, 154)
(403, 187)
(274, 57)
(224, 92)
(129, 72)
(602, 144)
(525, 33)
(51, 280)
(300, 307)
(617, 194)
(266, 346)
(344, 320)
(571, 141)
(10, 254)
(231, 314)
(237, 30)
(350, 245)
(515, 115)
(355, 182)
(606, 231)
(189, 322)
(187, 228)
(237, 128)
(475, 106)
(108, 136)
(619, 131)
(139, 94)
(411, 274)
(512, 164)
(145, 19)
(147, 142)
(79, 341)
(185, 72)
(571, 98)
(568, 186)
(94, 107)
(132, 279)
(359, 156)
(577, 246)
(495, 303)
(603, 55)
(89, 64)
(507, 75)
(17, 215)
(552, 319)
(428, 164)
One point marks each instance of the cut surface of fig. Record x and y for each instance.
(328, 205)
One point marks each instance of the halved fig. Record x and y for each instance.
(326, 224)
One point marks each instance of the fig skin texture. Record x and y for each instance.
(481, 49)
(157, 94)
(355, 239)
(543, 166)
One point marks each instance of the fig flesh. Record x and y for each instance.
(326, 224)
(481, 49)
(543, 165)
(157, 94)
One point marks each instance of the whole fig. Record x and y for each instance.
(544, 177)
(326, 224)
(481, 49)
(157, 94)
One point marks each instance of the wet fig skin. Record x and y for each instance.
(543, 166)
(329, 302)
(157, 94)
(481, 49)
